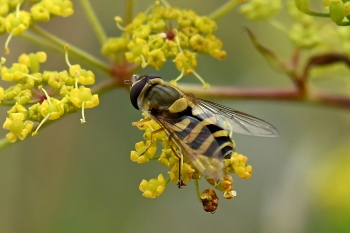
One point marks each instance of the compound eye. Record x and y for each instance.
(135, 92)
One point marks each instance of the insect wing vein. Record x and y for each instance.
(232, 120)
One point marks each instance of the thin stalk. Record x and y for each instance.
(198, 192)
(345, 23)
(279, 26)
(166, 3)
(129, 11)
(74, 51)
(223, 10)
(318, 14)
(304, 7)
(95, 23)
(7, 103)
(35, 40)
(4, 143)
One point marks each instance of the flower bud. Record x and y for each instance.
(337, 11)
(303, 5)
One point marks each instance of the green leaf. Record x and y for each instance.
(272, 58)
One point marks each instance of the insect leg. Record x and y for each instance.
(180, 183)
(139, 123)
(151, 139)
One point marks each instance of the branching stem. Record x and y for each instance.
(74, 51)
(95, 23)
(223, 10)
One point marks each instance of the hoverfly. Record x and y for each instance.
(201, 129)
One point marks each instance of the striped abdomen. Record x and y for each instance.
(203, 136)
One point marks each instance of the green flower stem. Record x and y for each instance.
(303, 6)
(318, 14)
(7, 103)
(223, 10)
(35, 40)
(198, 192)
(96, 25)
(165, 2)
(279, 26)
(345, 23)
(4, 143)
(74, 51)
(128, 11)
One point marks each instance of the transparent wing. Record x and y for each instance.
(196, 143)
(230, 119)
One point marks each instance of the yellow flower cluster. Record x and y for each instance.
(146, 150)
(64, 92)
(162, 33)
(306, 31)
(153, 187)
(17, 124)
(15, 21)
(187, 173)
(260, 9)
(237, 164)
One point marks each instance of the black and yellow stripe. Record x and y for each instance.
(199, 132)
(226, 145)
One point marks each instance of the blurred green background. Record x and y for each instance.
(79, 178)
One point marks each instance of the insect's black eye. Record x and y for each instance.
(135, 91)
(139, 83)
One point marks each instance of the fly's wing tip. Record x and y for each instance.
(274, 131)
(271, 132)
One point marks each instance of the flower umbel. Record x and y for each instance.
(260, 9)
(38, 97)
(164, 33)
(15, 21)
